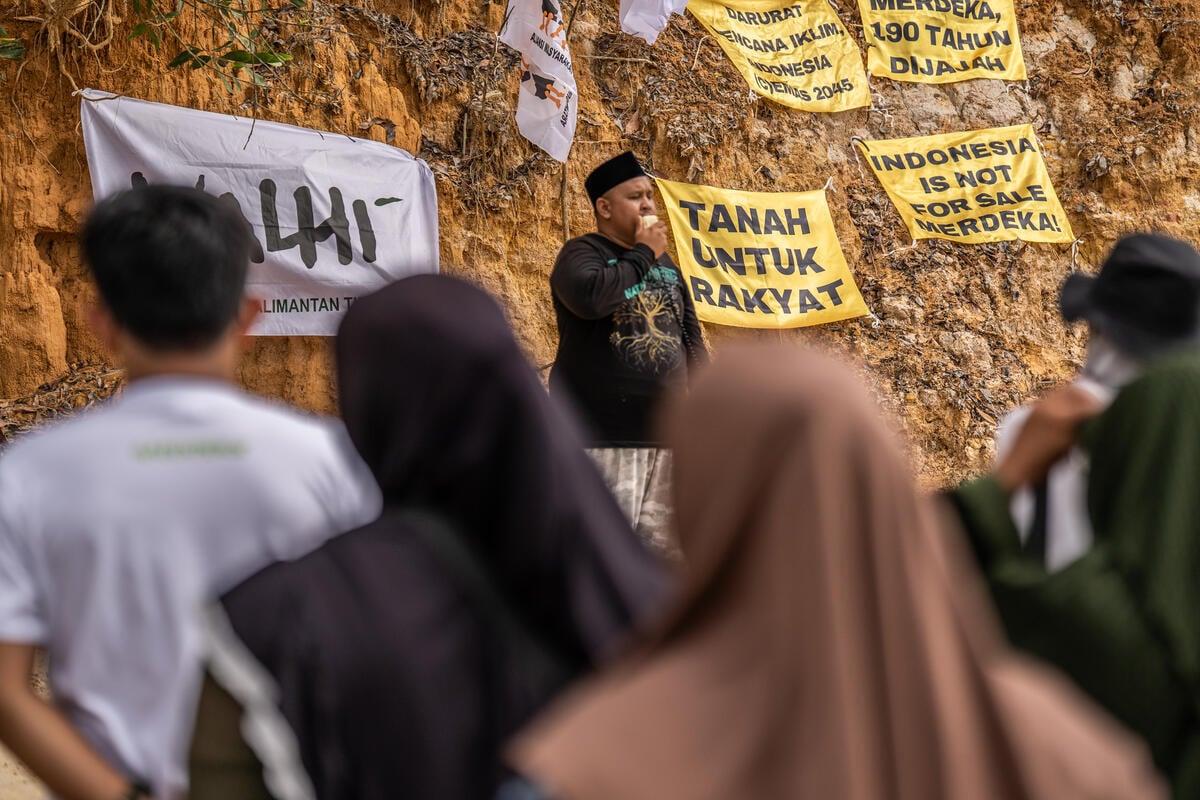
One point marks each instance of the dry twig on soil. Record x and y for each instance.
(83, 386)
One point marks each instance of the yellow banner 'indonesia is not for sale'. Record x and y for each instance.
(758, 259)
(796, 53)
(972, 186)
(942, 41)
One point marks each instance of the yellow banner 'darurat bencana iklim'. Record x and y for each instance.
(973, 186)
(942, 41)
(758, 259)
(796, 53)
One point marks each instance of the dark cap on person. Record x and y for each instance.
(1146, 297)
(613, 172)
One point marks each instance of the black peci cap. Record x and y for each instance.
(612, 173)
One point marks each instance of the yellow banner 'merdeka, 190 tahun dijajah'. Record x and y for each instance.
(942, 41)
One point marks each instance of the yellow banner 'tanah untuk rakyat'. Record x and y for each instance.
(758, 259)
(942, 41)
(796, 53)
(973, 186)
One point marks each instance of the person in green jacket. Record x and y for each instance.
(1123, 621)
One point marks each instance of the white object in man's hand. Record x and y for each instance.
(1050, 430)
(653, 234)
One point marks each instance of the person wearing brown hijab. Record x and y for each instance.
(393, 656)
(828, 641)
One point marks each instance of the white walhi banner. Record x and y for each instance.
(335, 217)
(648, 18)
(548, 100)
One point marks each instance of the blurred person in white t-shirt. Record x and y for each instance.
(118, 524)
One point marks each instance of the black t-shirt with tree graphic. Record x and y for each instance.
(627, 328)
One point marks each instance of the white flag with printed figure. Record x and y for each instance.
(648, 18)
(548, 100)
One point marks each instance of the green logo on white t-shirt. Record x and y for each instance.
(155, 451)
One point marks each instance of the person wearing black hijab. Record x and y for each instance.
(403, 654)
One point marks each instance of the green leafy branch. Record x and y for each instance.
(229, 62)
(244, 52)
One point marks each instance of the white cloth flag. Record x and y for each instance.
(648, 18)
(548, 101)
(335, 217)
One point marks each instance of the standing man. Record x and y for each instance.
(117, 525)
(627, 328)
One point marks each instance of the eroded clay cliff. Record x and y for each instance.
(961, 332)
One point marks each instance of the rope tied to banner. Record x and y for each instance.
(902, 249)
(1075, 253)
(858, 140)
